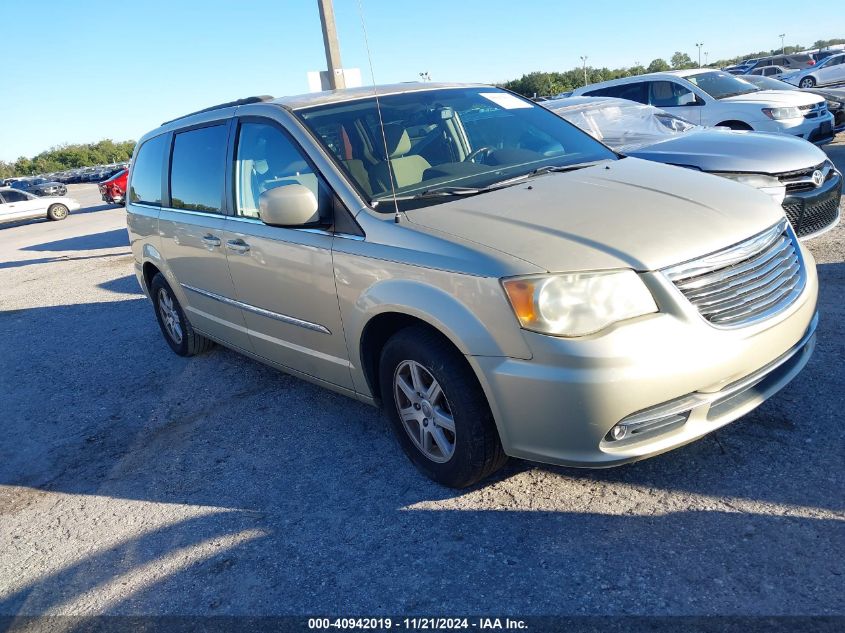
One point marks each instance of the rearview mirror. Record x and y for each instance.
(288, 205)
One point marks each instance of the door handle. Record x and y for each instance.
(211, 240)
(239, 246)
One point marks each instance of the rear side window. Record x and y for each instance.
(633, 92)
(146, 173)
(197, 169)
(14, 196)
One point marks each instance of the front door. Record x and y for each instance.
(676, 99)
(192, 233)
(284, 277)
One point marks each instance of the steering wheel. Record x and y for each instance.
(481, 150)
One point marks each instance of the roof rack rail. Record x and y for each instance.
(228, 104)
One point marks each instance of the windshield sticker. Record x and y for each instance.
(505, 100)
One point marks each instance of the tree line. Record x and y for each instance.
(66, 157)
(552, 83)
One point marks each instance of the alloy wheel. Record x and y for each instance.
(169, 316)
(424, 411)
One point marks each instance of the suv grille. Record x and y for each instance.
(747, 282)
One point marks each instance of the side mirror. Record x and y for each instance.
(288, 205)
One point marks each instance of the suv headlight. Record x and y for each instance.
(767, 184)
(577, 304)
(783, 113)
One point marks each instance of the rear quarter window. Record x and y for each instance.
(145, 187)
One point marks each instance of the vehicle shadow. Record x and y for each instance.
(95, 241)
(48, 260)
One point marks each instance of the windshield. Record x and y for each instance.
(720, 85)
(622, 125)
(453, 141)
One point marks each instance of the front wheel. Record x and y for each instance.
(57, 212)
(437, 409)
(807, 82)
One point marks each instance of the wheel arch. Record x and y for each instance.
(735, 124)
(396, 304)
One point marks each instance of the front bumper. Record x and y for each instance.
(818, 130)
(560, 406)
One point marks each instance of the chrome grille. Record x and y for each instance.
(748, 282)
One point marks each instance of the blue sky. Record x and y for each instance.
(88, 70)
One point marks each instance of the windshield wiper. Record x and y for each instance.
(446, 191)
(548, 169)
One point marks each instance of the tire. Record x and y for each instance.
(807, 82)
(174, 324)
(476, 451)
(57, 212)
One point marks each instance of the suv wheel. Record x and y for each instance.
(807, 82)
(57, 212)
(174, 324)
(437, 410)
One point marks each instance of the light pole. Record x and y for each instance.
(332, 46)
(782, 47)
(705, 57)
(425, 76)
(584, 64)
(699, 45)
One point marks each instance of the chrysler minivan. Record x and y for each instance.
(498, 281)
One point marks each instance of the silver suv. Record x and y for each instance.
(497, 280)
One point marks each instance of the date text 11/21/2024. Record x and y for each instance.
(418, 623)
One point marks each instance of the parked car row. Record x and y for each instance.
(715, 98)
(493, 277)
(37, 186)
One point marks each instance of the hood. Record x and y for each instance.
(734, 151)
(777, 98)
(620, 214)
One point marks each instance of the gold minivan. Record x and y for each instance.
(497, 280)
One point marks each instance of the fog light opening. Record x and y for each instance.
(640, 428)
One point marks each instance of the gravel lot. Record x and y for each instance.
(133, 481)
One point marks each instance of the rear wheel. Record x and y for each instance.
(807, 82)
(57, 212)
(437, 409)
(174, 324)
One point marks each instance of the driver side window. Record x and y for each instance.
(267, 158)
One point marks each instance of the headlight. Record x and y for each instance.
(834, 105)
(577, 304)
(783, 113)
(767, 184)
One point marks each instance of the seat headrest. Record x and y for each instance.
(398, 142)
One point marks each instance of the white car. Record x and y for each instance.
(716, 98)
(830, 70)
(19, 205)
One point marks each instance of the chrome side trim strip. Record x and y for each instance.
(284, 318)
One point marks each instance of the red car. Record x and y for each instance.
(113, 190)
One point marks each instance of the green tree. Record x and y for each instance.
(681, 60)
(658, 65)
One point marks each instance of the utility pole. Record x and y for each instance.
(584, 63)
(699, 45)
(335, 68)
(782, 47)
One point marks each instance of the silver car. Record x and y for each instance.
(497, 280)
(797, 174)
